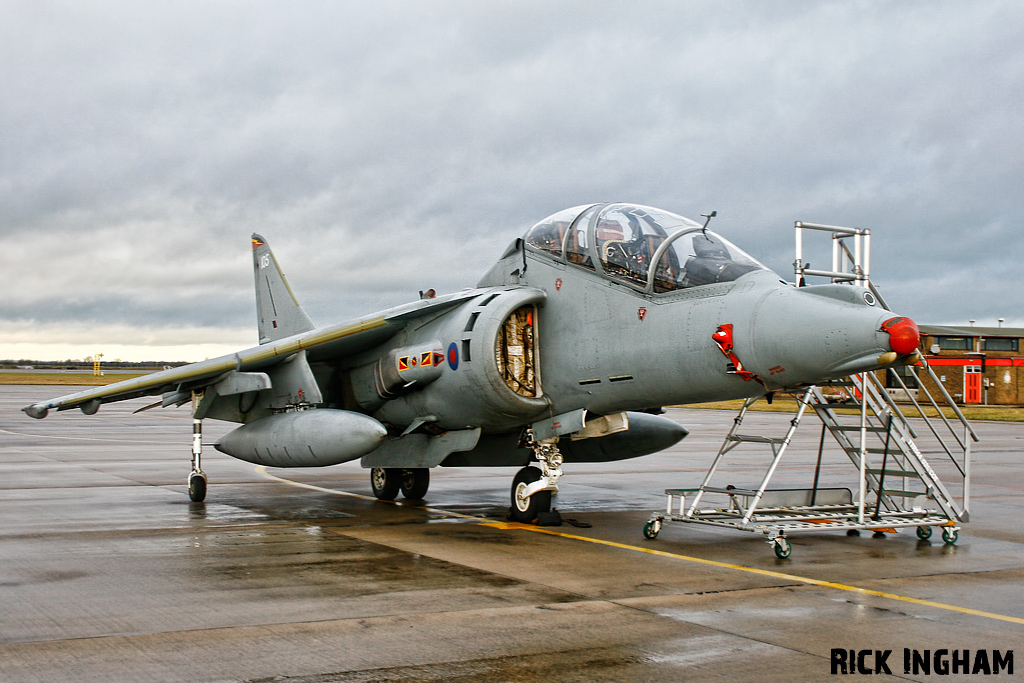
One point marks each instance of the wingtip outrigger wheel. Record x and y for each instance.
(197, 478)
(197, 487)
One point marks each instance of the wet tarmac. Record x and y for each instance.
(108, 572)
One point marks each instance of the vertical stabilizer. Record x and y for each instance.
(277, 311)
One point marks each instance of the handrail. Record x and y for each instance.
(920, 411)
(949, 399)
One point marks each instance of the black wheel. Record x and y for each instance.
(949, 536)
(385, 482)
(414, 483)
(924, 532)
(525, 510)
(197, 487)
(651, 529)
(783, 548)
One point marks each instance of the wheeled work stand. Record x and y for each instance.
(896, 486)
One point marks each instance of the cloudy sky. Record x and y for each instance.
(383, 148)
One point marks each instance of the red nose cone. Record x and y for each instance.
(903, 335)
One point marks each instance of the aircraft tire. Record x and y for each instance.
(196, 487)
(415, 482)
(386, 482)
(525, 510)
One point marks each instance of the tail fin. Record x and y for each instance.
(278, 312)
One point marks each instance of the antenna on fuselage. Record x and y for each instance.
(708, 216)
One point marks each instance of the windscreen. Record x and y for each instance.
(698, 257)
(627, 239)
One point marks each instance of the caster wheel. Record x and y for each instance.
(386, 482)
(783, 548)
(197, 487)
(651, 529)
(924, 532)
(949, 536)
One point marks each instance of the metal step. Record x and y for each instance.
(896, 493)
(854, 449)
(894, 473)
(750, 438)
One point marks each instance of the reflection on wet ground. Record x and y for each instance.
(108, 572)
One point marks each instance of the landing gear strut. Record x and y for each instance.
(197, 478)
(533, 487)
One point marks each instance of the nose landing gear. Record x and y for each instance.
(526, 508)
(533, 487)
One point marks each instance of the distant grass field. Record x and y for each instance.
(68, 378)
(783, 405)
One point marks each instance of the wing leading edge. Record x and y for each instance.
(334, 342)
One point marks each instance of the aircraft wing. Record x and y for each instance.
(326, 343)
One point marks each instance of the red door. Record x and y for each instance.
(972, 384)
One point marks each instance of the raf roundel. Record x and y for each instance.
(453, 356)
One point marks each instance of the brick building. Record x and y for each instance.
(976, 365)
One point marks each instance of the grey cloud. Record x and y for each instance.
(390, 148)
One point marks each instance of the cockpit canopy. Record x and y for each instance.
(650, 249)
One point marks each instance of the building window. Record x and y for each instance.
(955, 343)
(999, 344)
(905, 374)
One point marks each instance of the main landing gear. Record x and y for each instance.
(197, 479)
(388, 481)
(533, 487)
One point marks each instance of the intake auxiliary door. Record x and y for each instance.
(515, 351)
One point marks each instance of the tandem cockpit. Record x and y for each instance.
(649, 249)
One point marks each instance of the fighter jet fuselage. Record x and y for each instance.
(565, 351)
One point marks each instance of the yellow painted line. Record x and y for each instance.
(764, 572)
(511, 526)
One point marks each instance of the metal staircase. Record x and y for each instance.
(896, 483)
(881, 445)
